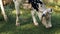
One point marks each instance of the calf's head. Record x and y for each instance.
(47, 13)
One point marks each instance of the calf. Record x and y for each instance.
(38, 6)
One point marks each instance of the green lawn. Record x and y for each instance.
(27, 26)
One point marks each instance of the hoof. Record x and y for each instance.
(17, 24)
(36, 24)
(48, 27)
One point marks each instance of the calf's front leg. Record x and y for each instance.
(33, 17)
(49, 22)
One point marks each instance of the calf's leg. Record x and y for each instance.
(34, 19)
(49, 21)
(3, 11)
(17, 12)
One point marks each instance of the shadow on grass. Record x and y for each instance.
(8, 26)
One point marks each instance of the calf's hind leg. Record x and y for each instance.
(17, 12)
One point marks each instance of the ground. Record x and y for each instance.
(27, 26)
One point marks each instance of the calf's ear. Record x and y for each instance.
(51, 10)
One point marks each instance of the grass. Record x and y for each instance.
(27, 26)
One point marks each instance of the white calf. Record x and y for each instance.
(43, 14)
